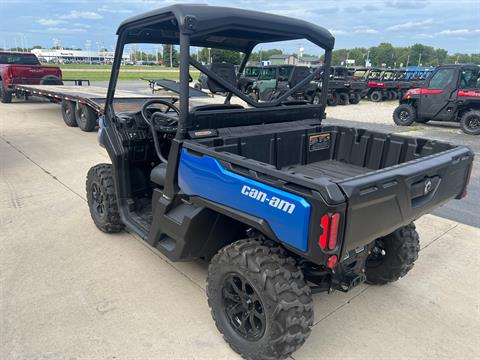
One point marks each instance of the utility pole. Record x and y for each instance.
(171, 55)
(419, 58)
(408, 60)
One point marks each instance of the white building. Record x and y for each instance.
(62, 56)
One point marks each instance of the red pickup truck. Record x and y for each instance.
(24, 68)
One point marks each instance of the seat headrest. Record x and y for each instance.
(226, 72)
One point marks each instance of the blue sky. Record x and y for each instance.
(450, 24)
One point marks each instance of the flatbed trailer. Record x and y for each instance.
(83, 105)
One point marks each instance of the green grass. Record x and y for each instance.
(107, 67)
(99, 76)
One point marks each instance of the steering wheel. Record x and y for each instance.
(160, 119)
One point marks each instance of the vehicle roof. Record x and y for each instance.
(220, 27)
(16, 53)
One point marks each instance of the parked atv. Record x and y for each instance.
(281, 205)
(451, 93)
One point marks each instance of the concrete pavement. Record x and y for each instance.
(69, 291)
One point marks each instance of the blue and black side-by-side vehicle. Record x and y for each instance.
(281, 205)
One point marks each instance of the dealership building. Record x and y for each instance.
(65, 56)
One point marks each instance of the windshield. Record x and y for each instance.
(19, 59)
(252, 71)
(268, 73)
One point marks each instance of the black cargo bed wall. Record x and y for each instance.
(376, 150)
(358, 147)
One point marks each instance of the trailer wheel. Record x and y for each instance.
(343, 99)
(102, 200)
(393, 256)
(355, 99)
(404, 115)
(68, 113)
(259, 300)
(86, 117)
(470, 122)
(332, 100)
(376, 96)
(5, 95)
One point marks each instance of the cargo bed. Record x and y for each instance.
(384, 179)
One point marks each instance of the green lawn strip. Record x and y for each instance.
(99, 76)
(103, 66)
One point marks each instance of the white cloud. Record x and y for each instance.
(89, 15)
(337, 31)
(50, 22)
(458, 32)
(110, 10)
(365, 30)
(411, 25)
(61, 30)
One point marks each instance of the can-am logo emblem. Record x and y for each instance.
(428, 187)
(272, 201)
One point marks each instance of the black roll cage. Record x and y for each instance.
(186, 60)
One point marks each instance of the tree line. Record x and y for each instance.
(382, 55)
(385, 54)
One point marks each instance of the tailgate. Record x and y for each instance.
(25, 74)
(383, 200)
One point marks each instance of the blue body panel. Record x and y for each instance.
(287, 214)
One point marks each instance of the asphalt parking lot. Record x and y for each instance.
(69, 291)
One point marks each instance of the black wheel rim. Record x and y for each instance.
(243, 307)
(97, 200)
(473, 122)
(403, 115)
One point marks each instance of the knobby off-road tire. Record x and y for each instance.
(376, 96)
(102, 200)
(275, 291)
(5, 95)
(343, 99)
(355, 99)
(86, 117)
(404, 115)
(332, 100)
(68, 113)
(393, 257)
(470, 122)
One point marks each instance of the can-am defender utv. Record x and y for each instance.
(451, 93)
(281, 205)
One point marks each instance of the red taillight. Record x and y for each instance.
(329, 223)
(332, 261)
(325, 222)
(332, 239)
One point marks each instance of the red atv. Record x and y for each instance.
(451, 93)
